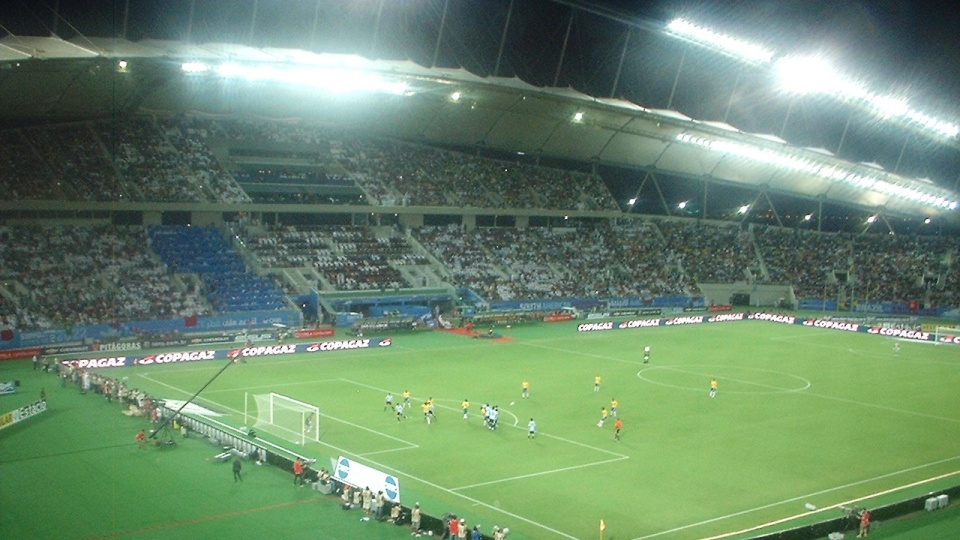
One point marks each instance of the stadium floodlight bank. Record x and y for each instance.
(285, 417)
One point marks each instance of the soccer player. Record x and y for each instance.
(603, 416)
(596, 383)
(406, 399)
(431, 407)
(613, 407)
(388, 402)
(525, 389)
(466, 408)
(896, 348)
(616, 429)
(646, 354)
(713, 387)
(531, 429)
(399, 409)
(141, 439)
(426, 411)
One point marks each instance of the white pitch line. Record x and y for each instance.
(265, 386)
(541, 473)
(741, 381)
(833, 506)
(801, 498)
(398, 472)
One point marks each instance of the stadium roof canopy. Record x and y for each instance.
(44, 78)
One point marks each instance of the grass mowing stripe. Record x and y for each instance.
(204, 519)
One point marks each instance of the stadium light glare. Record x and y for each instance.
(744, 209)
(195, 67)
(806, 75)
(122, 64)
(682, 205)
(335, 80)
(932, 196)
(808, 217)
(578, 117)
(728, 45)
(455, 96)
(811, 75)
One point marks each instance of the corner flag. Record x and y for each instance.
(602, 525)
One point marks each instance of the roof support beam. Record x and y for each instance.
(443, 22)
(503, 40)
(563, 50)
(623, 55)
(663, 201)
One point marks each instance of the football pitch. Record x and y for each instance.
(802, 418)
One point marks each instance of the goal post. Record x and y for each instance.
(947, 332)
(288, 418)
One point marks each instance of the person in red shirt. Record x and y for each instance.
(864, 524)
(141, 439)
(616, 427)
(298, 472)
(454, 527)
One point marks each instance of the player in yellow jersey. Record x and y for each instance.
(596, 383)
(613, 406)
(406, 399)
(466, 408)
(713, 387)
(525, 389)
(603, 416)
(426, 411)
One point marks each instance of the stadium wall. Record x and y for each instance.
(188, 325)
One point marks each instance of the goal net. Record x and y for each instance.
(288, 418)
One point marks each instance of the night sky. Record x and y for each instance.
(902, 47)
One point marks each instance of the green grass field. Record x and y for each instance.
(802, 416)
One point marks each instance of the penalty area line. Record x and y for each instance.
(541, 473)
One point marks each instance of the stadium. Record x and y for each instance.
(703, 278)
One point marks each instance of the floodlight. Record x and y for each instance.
(632, 201)
(871, 219)
(122, 64)
(744, 209)
(890, 106)
(578, 117)
(455, 96)
(927, 221)
(810, 75)
(808, 217)
(734, 47)
(682, 205)
(914, 190)
(195, 67)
